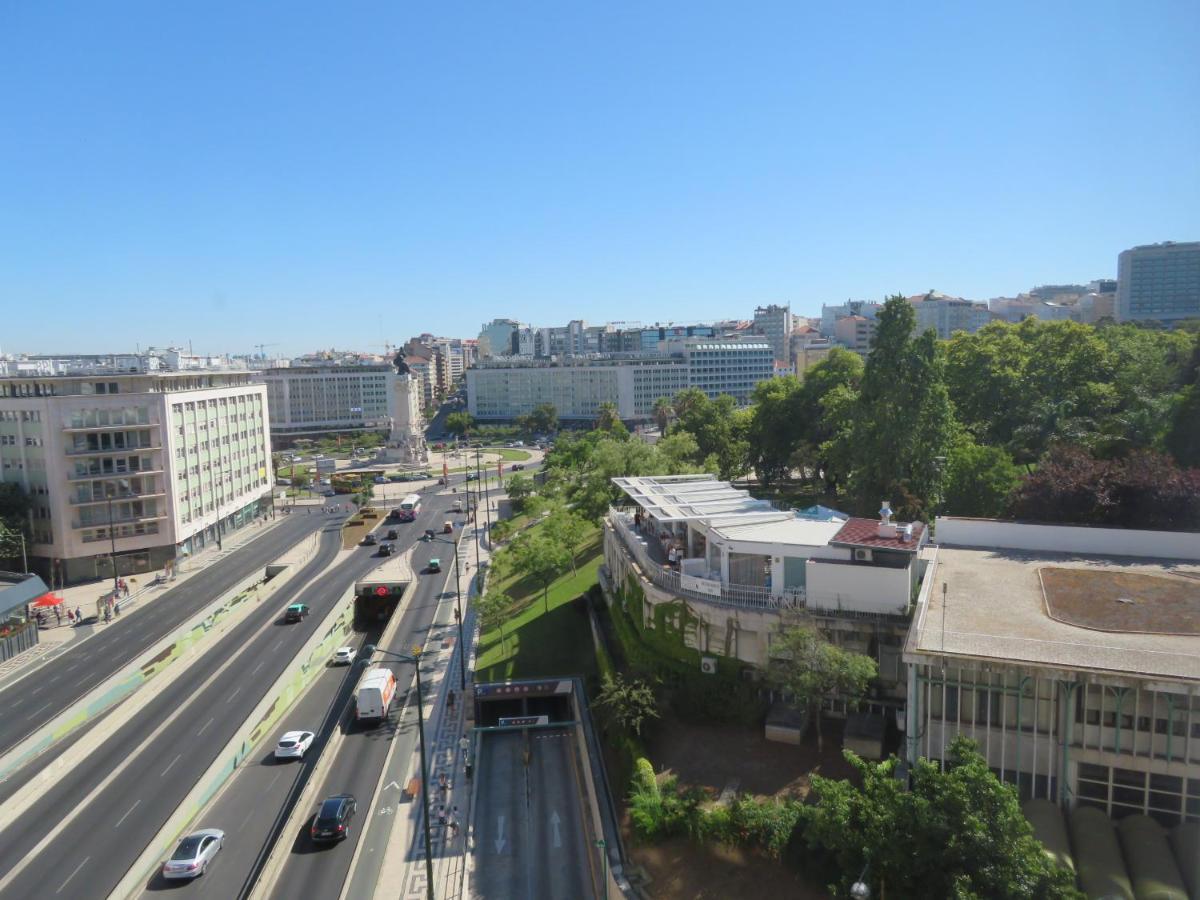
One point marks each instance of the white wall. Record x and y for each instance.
(862, 588)
(993, 533)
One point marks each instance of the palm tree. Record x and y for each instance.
(663, 413)
(607, 416)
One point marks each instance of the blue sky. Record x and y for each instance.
(316, 175)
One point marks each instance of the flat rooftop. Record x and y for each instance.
(1103, 614)
(786, 529)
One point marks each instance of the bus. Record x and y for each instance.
(409, 507)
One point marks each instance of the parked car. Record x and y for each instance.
(194, 853)
(369, 539)
(381, 479)
(397, 478)
(386, 549)
(332, 821)
(293, 744)
(344, 656)
(295, 612)
(435, 565)
(329, 492)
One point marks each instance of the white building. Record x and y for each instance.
(946, 315)
(831, 312)
(577, 385)
(161, 463)
(775, 323)
(496, 337)
(308, 400)
(1159, 282)
(1071, 655)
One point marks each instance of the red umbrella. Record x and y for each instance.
(47, 600)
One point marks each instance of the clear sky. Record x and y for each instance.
(344, 174)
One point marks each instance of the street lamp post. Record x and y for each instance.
(462, 662)
(368, 651)
(112, 543)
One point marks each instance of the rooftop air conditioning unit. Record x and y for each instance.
(708, 665)
(862, 555)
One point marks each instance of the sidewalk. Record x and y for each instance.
(54, 638)
(450, 748)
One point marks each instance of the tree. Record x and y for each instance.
(520, 489)
(1183, 438)
(14, 521)
(630, 703)
(776, 429)
(569, 528)
(663, 413)
(540, 557)
(903, 419)
(719, 428)
(978, 480)
(811, 669)
(493, 609)
(544, 418)
(607, 417)
(827, 395)
(956, 833)
(460, 423)
(1142, 490)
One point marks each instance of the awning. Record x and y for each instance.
(47, 600)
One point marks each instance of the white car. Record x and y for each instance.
(344, 656)
(194, 853)
(293, 744)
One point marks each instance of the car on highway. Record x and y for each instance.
(435, 565)
(194, 853)
(447, 528)
(517, 467)
(471, 476)
(381, 479)
(293, 744)
(369, 539)
(332, 821)
(393, 534)
(295, 612)
(344, 656)
(386, 549)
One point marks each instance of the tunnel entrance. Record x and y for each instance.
(524, 704)
(375, 603)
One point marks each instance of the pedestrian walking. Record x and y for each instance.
(78, 616)
(57, 616)
(117, 610)
(453, 823)
(70, 617)
(450, 699)
(442, 816)
(107, 615)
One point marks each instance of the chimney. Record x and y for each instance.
(886, 528)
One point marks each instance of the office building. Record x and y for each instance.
(144, 467)
(727, 367)
(306, 400)
(775, 323)
(1159, 282)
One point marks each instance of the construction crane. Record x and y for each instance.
(259, 348)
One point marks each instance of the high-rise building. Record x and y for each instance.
(157, 464)
(775, 323)
(497, 338)
(1159, 282)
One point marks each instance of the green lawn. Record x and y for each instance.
(511, 454)
(539, 643)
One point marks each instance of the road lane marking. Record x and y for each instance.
(72, 875)
(168, 768)
(259, 666)
(38, 710)
(234, 694)
(205, 728)
(272, 784)
(278, 643)
(126, 816)
(35, 691)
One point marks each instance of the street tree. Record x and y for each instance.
(777, 428)
(460, 422)
(810, 669)
(955, 833)
(607, 417)
(978, 480)
(663, 413)
(520, 488)
(569, 528)
(544, 418)
(493, 609)
(629, 703)
(903, 421)
(541, 557)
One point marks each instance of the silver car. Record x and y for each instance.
(194, 853)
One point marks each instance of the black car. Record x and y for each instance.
(393, 534)
(386, 549)
(369, 539)
(332, 822)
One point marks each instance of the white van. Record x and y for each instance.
(375, 693)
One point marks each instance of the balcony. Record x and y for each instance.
(75, 501)
(152, 443)
(708, 590)
(124, 473)
(120, 520)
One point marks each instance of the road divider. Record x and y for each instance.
(187, 642)
(308, 663)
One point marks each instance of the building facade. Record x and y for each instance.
(146, 468)
(311, 399)
(775, 323)
(855, 333)
(1159, 282)
(946, 315)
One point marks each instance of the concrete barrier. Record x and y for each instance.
(186, 642)
(310, 662)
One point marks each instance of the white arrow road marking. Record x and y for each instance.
(500, 834)
(554, 823)
(391, 784)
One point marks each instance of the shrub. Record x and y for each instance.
(765, 824)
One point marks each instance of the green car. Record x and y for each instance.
(295, 612)
(435, 565)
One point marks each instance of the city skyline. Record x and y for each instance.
(185, 178)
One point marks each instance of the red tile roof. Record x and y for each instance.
(865, 533)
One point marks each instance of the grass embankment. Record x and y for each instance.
(544, 638)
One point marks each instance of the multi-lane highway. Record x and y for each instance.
(34, 701)
(533, 837)
(91, 826)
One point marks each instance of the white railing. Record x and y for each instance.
(740, 595)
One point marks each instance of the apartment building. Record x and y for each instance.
(775, 323)
(946, 315)
(855, 333)
(311, 399)
(143, 468)
(831, 313)
(1159, 282)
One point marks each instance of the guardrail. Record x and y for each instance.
(742, 596)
